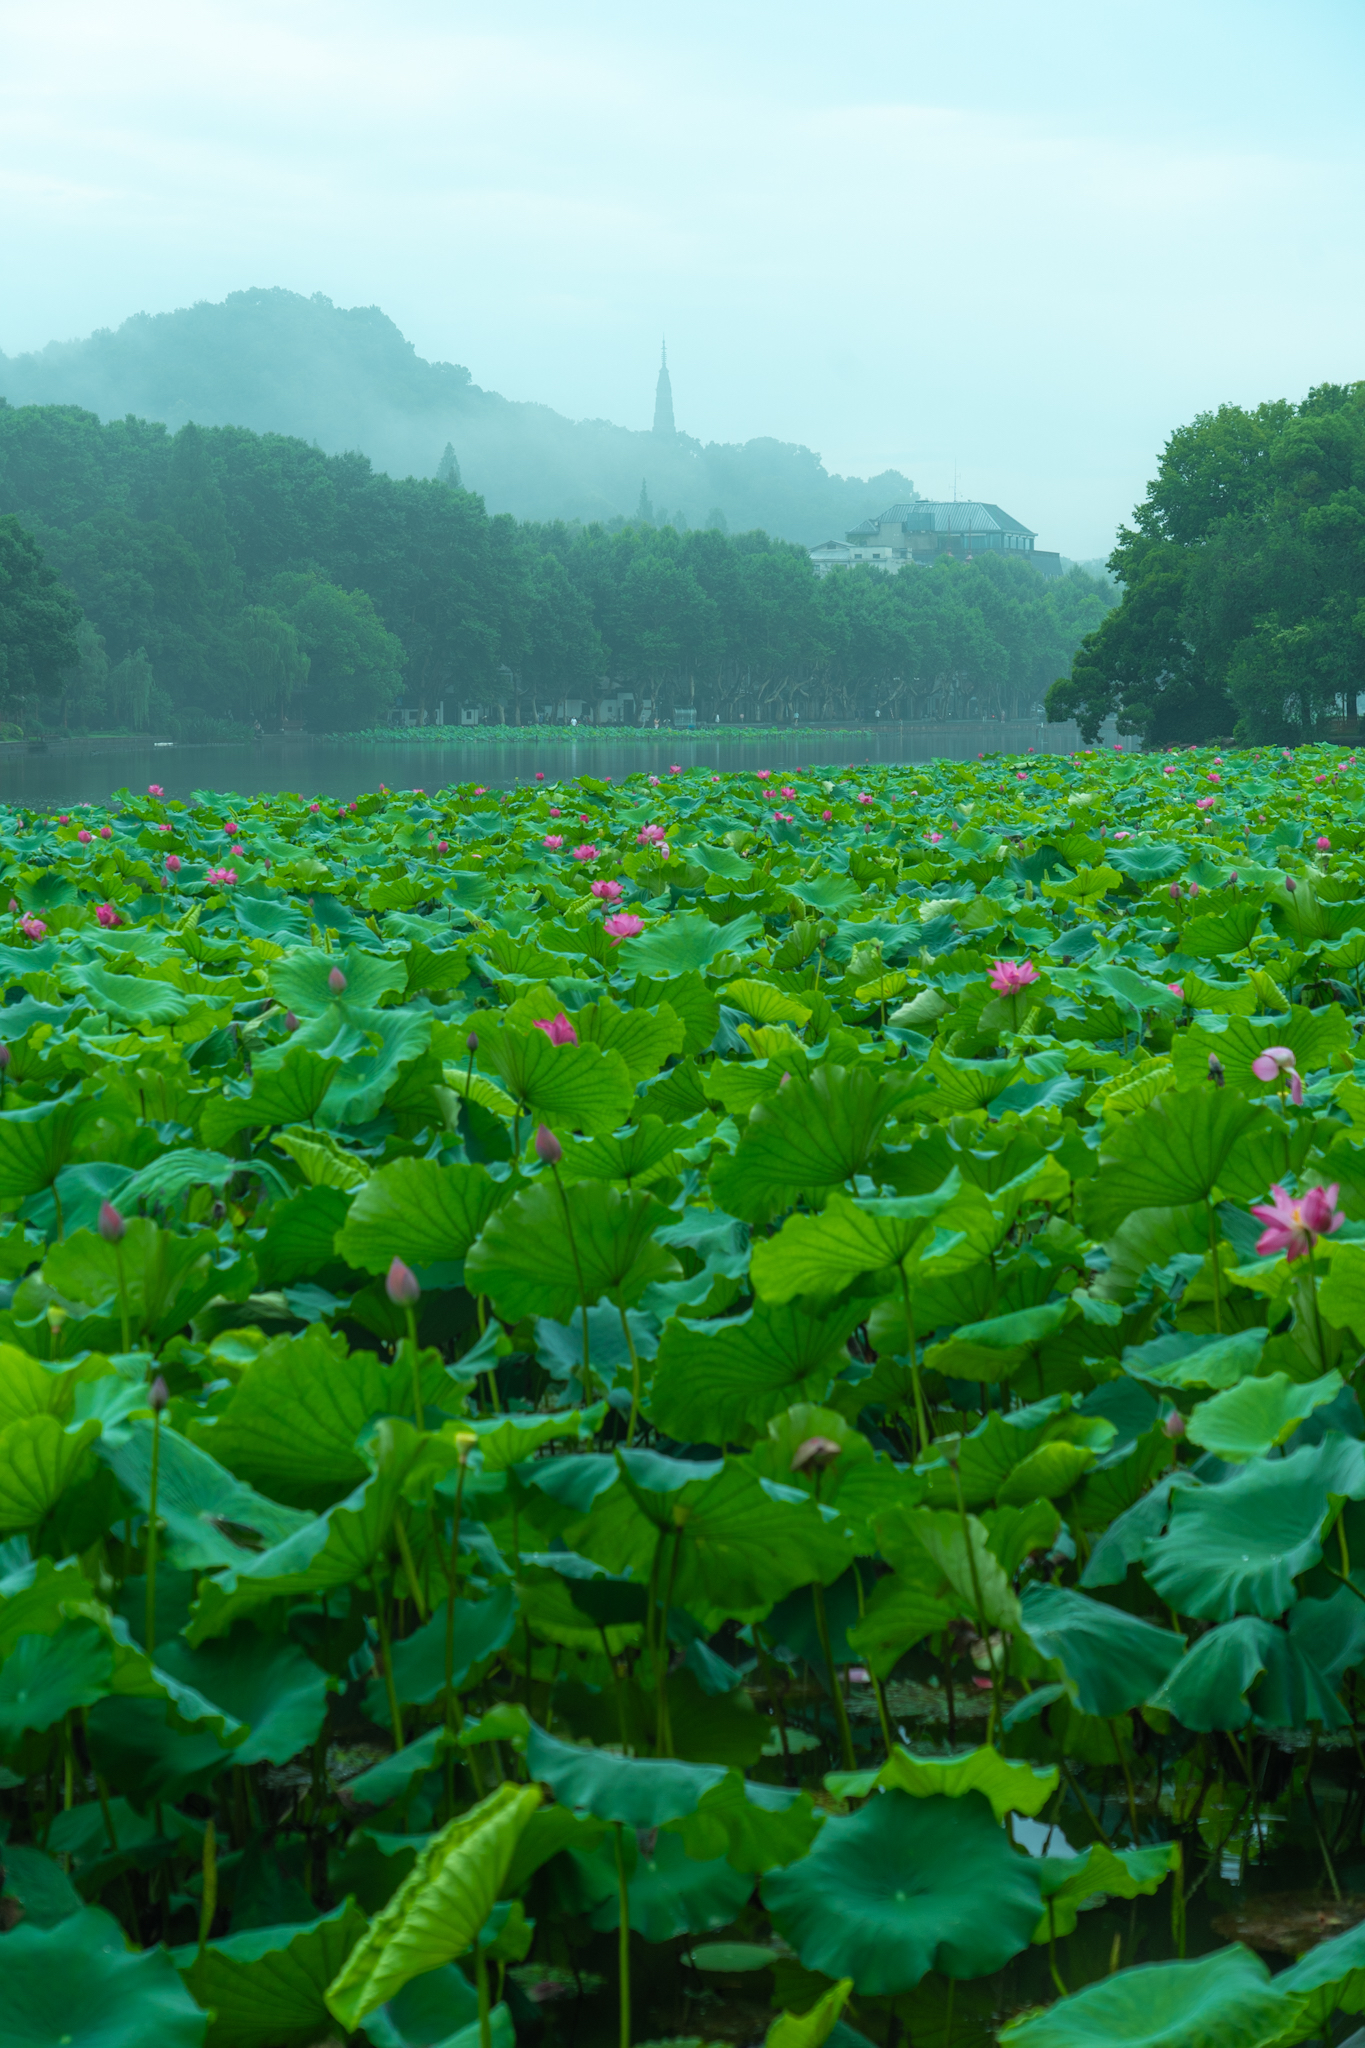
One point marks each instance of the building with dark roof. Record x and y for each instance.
(925, 531)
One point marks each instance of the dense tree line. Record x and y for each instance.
(1244, 573)
(224, 574)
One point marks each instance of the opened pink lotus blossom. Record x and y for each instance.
(787, 789)
(623, 926)
(554, 840)
(650, 835)
(1176, 989)
(654, 782)
(607, 892)
(223, 875)
(155, 789)
(32, 927)
(106, 915)
(1007, 977)
(558, 1029)
(764, 774)
(863, 797)
(588, 852)
(165, 828)
(675, 769)
(1294, 1225)
(934, 838)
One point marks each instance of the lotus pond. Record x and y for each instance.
(703, 1408)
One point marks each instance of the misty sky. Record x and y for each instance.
(1024, 239)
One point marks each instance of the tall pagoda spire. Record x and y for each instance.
(663, 400)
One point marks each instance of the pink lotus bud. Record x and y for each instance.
(158, 1395)
(443, 846)
(4, 1056)
(1175, 892)
(84, 837)
(111, 1224)
(401, 1285)
(1194, 890)
(1323, 843)
(472, 1042)
(1174, 1425)
(336, 981)
(1290, 884)
(173, 863)
(548, 1149)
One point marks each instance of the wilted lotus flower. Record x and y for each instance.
(402, 1285)
(814, 1454)
(1274, 1063)
(1216, 1074)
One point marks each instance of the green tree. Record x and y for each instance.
(38, 619)
(271, 665)
(355, 674)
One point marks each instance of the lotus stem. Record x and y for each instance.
(405, 1552)
(623, 1944)
(840, 1710)
(395, 1713)
(582, 1289)
(150, 1618)
(921, 1420)
(634, 1372)
(481, 1978)
(209, 1904)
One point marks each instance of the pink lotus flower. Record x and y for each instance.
(586, 852)
(675, 769)
(1168, 771)
(481, 791)
(540, 775)
(654, 782)
(155, 789)
(787, 790)
(554, 840)
(607, 892)
(1020, 775)
(827, 817)
(583, 818)
(1203, 803)
(106, 915)
(443, 846)
(237, 849)
(32, 927)
(106, 831)
(764, 774)
(223, 875)
(64, 820)
(173, 863)
(1214, 777)
(315, 807)
(1323, 843)
(1176, 989)
(165, 828)
(1267, 1066)
(84, 837)
(934, 838)
(555, 811)
(623, 926)
(1007, 977)
(1294, 1226)
(558, 1029)
(651, 835)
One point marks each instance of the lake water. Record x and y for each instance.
(348, 768)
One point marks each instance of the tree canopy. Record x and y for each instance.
(1244, 575)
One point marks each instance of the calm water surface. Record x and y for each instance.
(340, 769)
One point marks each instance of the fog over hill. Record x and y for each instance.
(345, 378)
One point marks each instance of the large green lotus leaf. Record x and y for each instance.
(756, 1827)
(291, 1423)
(1238, 1547)
(810, 2029)
(28, 1387)
(166, 1278)
(175, 1173)
(822, 1254)
(1313, 1036)
(720, 1382)
(132, 998)
(1186, 1358)
(300, 1234)
(808, 1135)
(671, 1893)
(482, 1628)
(687, 943)
(38, 1461)
(640, 1792)
(1212, 938)
(438, 1910)
(506, 1440)
(1306, 1662)
(1225, 2000)
(1170, 1153)
(541, 1253)
(334, 1550)
(905, 1606)
(639, 1155)
(43, 1677)
(1328, 1980)
(419, 1211)
(736, 1543)
(36, 1143)
(1112, 1661)
(966, 1564)
(288, 1086)
(1070, 1882)
(210, 1517)
(266, 1682)
(377, 1047)
(997, 1348)
(581, 1087)
(1007, 1784)
(859, 1484)
(1016, 1456)
(766, 1004)
(80, 1983)
(39, 1884)
(1341, 1294)
(1208, 1688)
(1249, 1420)
(1125, 1541)
(265, 1986)
(900, 1888)
(322, 1159)
(645, 1039)
(301, 981)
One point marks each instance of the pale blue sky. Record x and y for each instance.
(1028, 240)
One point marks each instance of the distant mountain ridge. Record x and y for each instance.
(346, 378)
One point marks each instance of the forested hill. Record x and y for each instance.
(226, 575)
(346, 379)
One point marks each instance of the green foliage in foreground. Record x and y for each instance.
(597, 1367)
